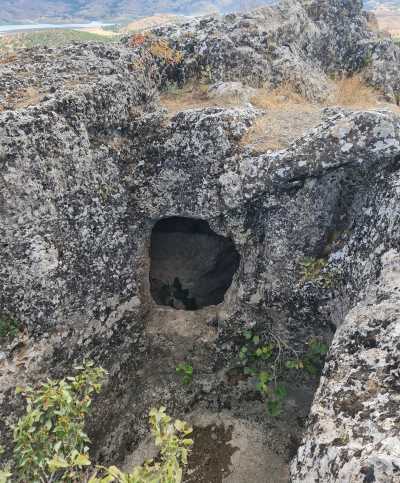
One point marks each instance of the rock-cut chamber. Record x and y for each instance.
(191, 266)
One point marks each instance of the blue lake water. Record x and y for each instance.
(40, 26)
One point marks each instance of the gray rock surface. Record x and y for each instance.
(300, 42)
(91, 162)
(353, 434)
(231, 90)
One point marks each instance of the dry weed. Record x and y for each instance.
(8, 59)
(353, 92)
(24, 98)
(193, 96)
(288, 114)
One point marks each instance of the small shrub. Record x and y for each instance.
(259, 361)
(173, 440)
(50, 441)
(313, 359)
(51, 444)
(185, 370)
(9, 327)
(267, 362)
(137, 40)
(311, 268)
(318, 271)
(160, 49)
(205, 76)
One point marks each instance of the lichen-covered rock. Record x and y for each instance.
(225, 91)
(353, 433)
(300, 42)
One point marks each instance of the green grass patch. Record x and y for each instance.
(9, 327)
(51, 38)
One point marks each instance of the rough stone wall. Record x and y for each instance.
(69, 263)
(58, 181)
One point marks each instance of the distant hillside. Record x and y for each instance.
(51, 37)
(13, 11)
(374, 4)
(21, 11)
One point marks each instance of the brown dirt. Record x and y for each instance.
(210, 460)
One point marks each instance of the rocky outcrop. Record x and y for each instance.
(298, 42)
(90, 164)
(353, 432)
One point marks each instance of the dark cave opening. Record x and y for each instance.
(191, 266)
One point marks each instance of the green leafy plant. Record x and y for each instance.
(185, 371)
(315, 356)
(4, 474)
(315, 270)
(206, 75)
(275, 402)
(174, 442)
(311, 268)
(313, 359)
(50, 442)
(51, 445)
(258, 361)
(267, 362)
(9, 327)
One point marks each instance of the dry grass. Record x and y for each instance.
(352, 92)
(281, 98)
(24, 98)
(193, 96)
(288, 115)
(8, 59)
(98, 31)
(150, 22)
(189, 97)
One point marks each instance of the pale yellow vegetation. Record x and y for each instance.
(353, 93)
(98, 31)
(288, 115)
(150, 22)
(193, 95)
